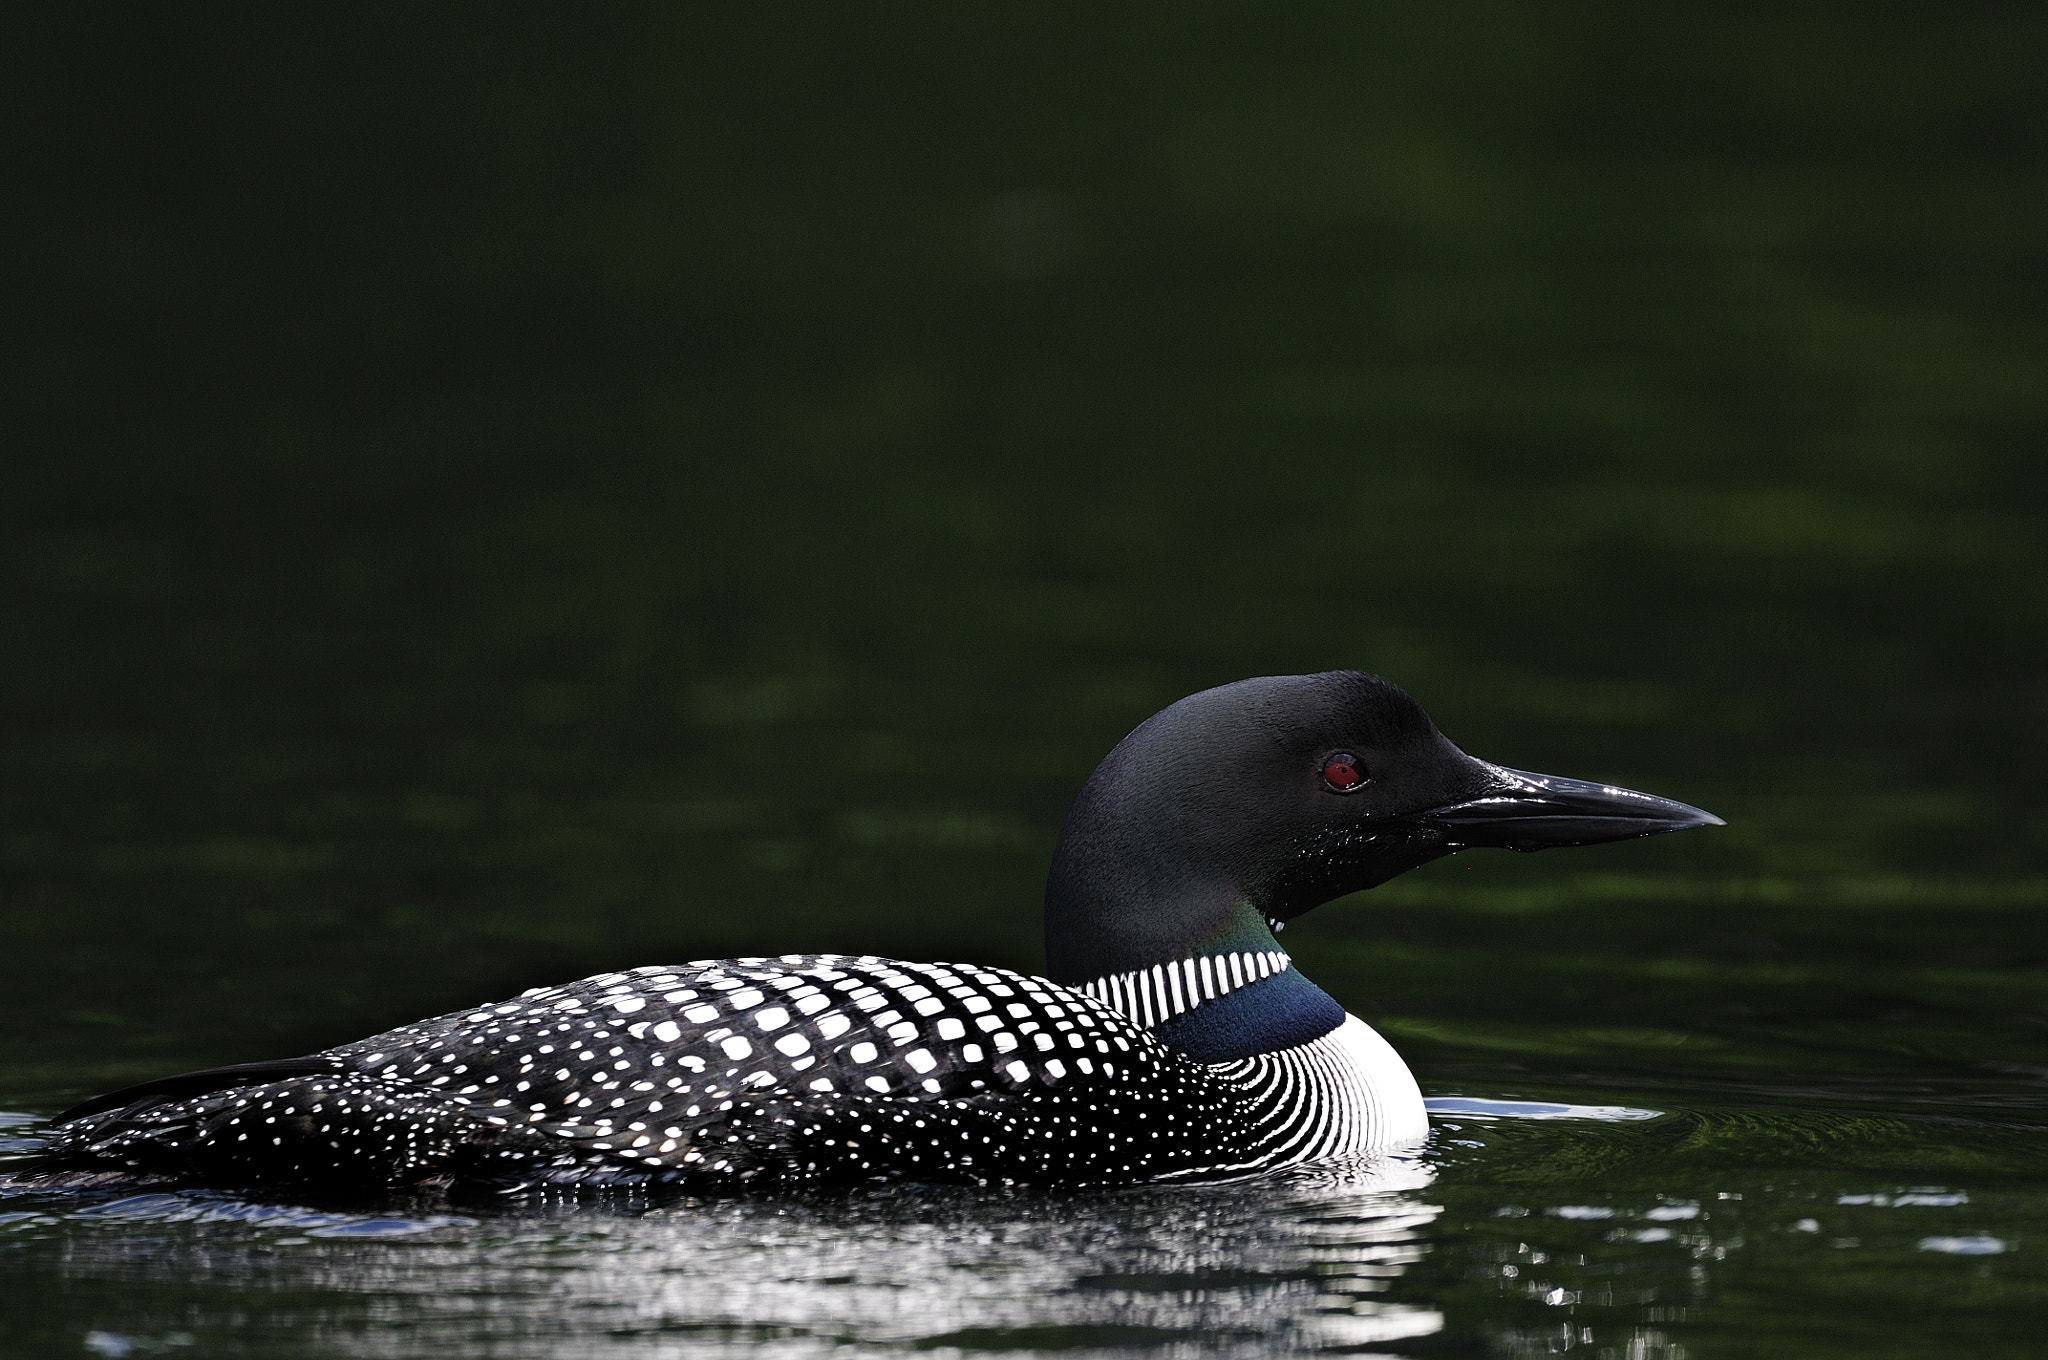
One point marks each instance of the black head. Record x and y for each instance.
(1282, 793)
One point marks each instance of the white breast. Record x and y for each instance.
(1341, 1095)
(1382, 1086)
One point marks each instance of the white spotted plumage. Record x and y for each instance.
(798, 1069)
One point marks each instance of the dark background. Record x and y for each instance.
(493, 495)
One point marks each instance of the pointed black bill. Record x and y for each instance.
(1544, 811)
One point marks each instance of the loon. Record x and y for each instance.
(1170, 1039)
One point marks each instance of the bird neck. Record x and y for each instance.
(1234, 994)
(1155, 903)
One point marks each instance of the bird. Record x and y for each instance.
(1171, 1038)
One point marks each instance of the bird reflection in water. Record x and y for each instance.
(1301, 1260)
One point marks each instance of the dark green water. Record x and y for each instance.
(494, 498)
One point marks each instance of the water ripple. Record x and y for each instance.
(1474, 1107)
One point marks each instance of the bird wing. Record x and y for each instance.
(723, 1065)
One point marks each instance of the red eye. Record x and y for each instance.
(1343, 771)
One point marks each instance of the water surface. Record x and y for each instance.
(493, 502)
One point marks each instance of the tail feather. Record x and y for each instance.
(133, 1099)
(331, 1127)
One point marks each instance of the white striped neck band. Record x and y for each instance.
(1152, 996)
